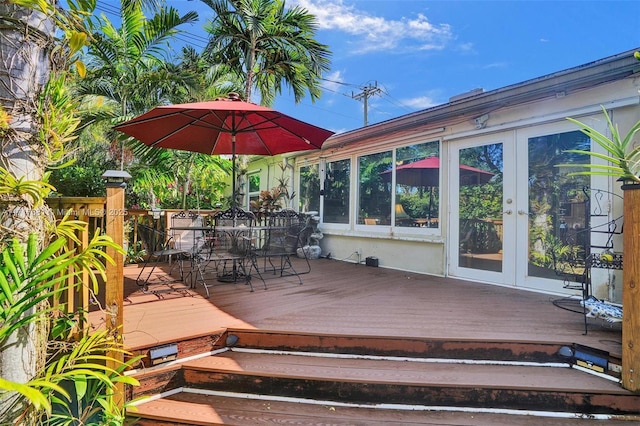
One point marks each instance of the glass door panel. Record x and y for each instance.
(557, 205)
(480, 208)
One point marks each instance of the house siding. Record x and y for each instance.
(513, 113)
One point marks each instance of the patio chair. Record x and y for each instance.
(161, 248)
(231, 251)
(593, 249)
(287, 232)
(189, 236)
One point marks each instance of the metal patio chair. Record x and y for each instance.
(286, 233)
(231, 251)
(160, 248)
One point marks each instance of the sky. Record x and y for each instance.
(420, 53)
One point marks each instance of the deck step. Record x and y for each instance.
(365, 374)
(456, 384)
(194, 408)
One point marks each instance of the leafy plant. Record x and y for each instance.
(268, 201)
(623, 158)
(135, 253)
(29, 278)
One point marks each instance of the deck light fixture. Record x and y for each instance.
(164, 353)
(156, 213)
(232, 339)
(116, 178)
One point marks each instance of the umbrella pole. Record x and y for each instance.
(233, 170)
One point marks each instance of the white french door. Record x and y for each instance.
(527, 224)
(483, 209)
(555, 235)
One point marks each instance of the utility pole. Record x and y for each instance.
(367, 91)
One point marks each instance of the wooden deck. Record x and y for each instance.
(347, 308)
(345, 298)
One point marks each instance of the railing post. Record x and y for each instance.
(114, 286)
(631, 289)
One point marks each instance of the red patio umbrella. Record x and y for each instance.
(426, 173)
(226, 126)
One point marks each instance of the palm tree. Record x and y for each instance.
(205, 81)
(268, 45)
(130, 71)
(37, 121)
(128, 68)
(26, 37)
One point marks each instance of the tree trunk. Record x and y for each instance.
(26, 37)
(25, 40)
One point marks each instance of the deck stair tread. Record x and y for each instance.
(310, 379)
(199, 409)
(442, 373)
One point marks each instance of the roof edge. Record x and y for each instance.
(611, 68)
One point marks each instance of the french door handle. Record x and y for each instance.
(523, 213)
(508, 211)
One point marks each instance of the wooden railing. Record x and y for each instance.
(91, 210)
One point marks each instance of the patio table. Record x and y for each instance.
(233, 244)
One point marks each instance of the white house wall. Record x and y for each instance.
(425, 251)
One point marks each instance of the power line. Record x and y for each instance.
(339, 82)
(395, 102)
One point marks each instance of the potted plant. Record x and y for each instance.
(623, 157)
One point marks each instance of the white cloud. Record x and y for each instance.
(495, 65)
(419, 102)
(468, 48)
(373, 33)
(331, 82)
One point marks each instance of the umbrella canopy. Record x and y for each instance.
(227, 126)
(426, 173)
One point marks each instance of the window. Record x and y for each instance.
(309, 200)
(254, 187)
(417, 192)
(412, 202)
(374, 192)
(336, 192)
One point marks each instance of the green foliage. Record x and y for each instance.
(374, 192)
(178, 179)
(420, 205)
(551, 253)
(135, 253)
(482, 201)
(79, 181)
(267, 45)
(36, 191)
(29, 278)
(57, 112)
(623, 158)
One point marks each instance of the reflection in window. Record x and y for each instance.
(254, 187)
(309, 189)
(374, 193)
(480, 207)
(557, 213)
(417, 185)
(336, 192)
